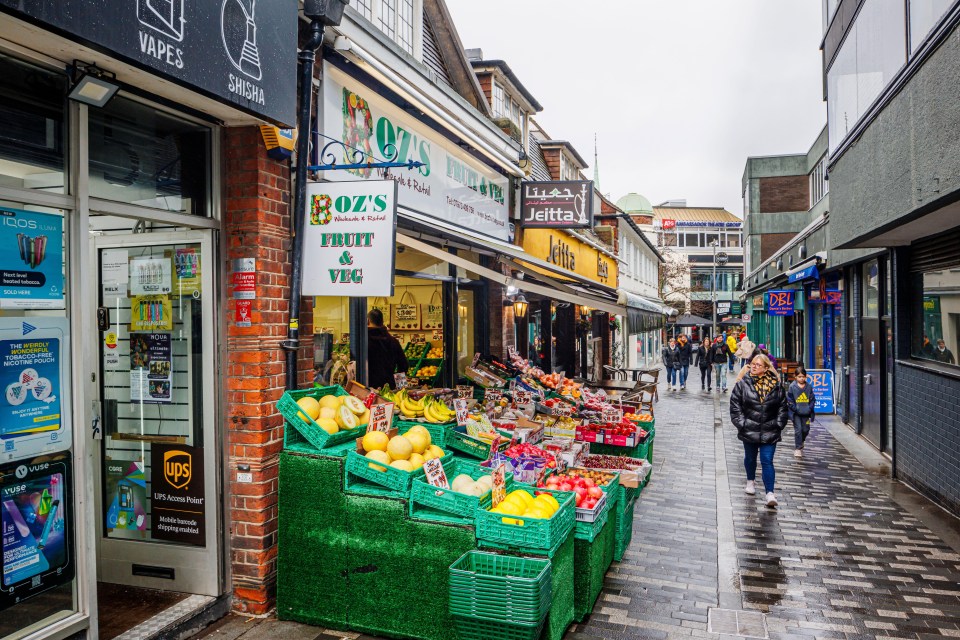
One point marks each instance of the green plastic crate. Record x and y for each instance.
(589, 530)
(301, 433)
(395, 482)
(438, 432)
(534, 534)
(624, 533)
(458, 440)
(500, 588)
(431, 362)
(430, 503)
(470, 628)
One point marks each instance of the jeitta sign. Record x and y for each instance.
(557, 205)
(350, 238)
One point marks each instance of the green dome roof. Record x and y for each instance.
(635, 203)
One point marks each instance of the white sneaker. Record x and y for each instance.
(798, 453)
(751, 488)
(771, 500)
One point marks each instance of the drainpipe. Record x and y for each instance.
(298, 216)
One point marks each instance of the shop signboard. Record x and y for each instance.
(239, 52)
(34, 410)
(452, 185)
(31, 260)
(350, 239)
(564, 204)
(821, 381)
(36, 528)
(780, 303)
(668, 224)
(176, 493)
(567, 252)
(830, 296)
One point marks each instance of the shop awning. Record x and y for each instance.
(803, 273)
(642, 314)
(564, 291)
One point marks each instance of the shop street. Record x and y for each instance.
(848, 554)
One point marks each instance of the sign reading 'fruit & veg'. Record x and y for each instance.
(349, 238)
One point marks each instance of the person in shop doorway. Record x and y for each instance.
(706, 367)
(719, 352)
(942, 354)
(671, 362)
(758, 409)
(685, 352)
(801, 401)
(385, 356)
(732, 346)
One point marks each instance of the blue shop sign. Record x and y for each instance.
(780, 303)
(804, 274)
(821, 381)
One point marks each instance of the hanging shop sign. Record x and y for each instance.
(780, 303)
(557, 205)
(830, 296)
(242, 53)
(31, 260)
(569, 253)
(821, 381)
(34, 414)
(806, 273)
(176, 493)
(452, 185)
(350, 239)
(758, 302)
(36, 521)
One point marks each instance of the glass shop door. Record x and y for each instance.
(158, 521)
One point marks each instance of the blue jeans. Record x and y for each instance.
(732, 360)
(672, 376)
(684, 370)
(720, 372)
(766, 452)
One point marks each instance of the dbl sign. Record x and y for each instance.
(780, 303)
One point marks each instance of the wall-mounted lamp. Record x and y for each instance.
(92, 85)
(520, 305)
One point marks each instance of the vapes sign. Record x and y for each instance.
(350, 239)
(241, 51)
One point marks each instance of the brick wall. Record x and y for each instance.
(552, 158)
(257, 225)
(784, 193)
(927, 434)
(770, 243)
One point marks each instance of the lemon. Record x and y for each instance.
(378, 456)
(403, 465)
(375, 441)
(417, 440)
(416, 461)
(332, 402)
(399, 448)
(328, 425)
(310, 407)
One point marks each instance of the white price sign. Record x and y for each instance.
(436, 476)
(460, 406)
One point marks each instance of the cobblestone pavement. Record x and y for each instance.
(838, 559)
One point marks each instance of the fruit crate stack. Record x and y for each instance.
(415, 353)
(321, 417)
(500, 597)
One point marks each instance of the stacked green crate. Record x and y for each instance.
(415, 354)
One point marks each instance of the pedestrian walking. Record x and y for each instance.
(685, 350)
(670, 354)
(942, 354)
(732, 346)
(718, 358)
(758, 409)
(706, 367)
(801, 402)
(744, 350)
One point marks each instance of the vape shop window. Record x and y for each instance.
(32, 127)
(936, 315)
(143, 156)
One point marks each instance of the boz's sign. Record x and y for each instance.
(557, 205)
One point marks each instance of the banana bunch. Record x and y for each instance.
(436, 411)
(409, 408)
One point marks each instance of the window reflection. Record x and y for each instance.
(937, 316)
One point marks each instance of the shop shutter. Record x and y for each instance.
(936, 252)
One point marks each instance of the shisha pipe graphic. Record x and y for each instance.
(249, 61)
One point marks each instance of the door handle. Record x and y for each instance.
(868, 378)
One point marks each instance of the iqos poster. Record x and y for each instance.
(34, 412)
(31, 260)
(36, 528)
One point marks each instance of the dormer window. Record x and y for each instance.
(504, 106)
(397, 19)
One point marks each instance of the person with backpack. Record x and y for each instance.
(719, 352)
(801, 402)
(706, 367)
(670, 354)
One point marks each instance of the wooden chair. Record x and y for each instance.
(614, 373)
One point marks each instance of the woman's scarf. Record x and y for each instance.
(765, 383)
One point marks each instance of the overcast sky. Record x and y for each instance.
(679, 92)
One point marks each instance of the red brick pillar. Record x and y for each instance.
(256, 225)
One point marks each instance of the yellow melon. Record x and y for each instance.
(378, 456)
(310, 407)
(375, 441)
(333, 402)
(328, 425)
(399, 448)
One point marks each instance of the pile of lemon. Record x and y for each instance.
(427, 372)
(407, 452)
(521, 503)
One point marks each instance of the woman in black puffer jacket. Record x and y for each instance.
(758, 409)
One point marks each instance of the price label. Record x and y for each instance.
(541, 472)
(413, 382)
(495, 446)
(492, 395)
(460, 406)
(499, 484)
(437, 335)
(563, 409)
(381, 417)
(436, 476)
(612, 414)
(476, 359)
(464, 391)
(522, 397)
(400, 380)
